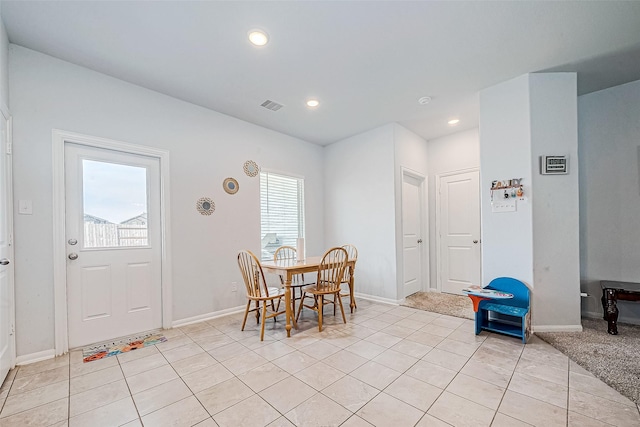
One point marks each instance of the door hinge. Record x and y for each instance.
(12, 330)
(9, 147)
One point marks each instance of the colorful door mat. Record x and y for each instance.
(100, 351)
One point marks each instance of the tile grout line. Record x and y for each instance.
(124, 377)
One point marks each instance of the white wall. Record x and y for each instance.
(205, 148)
(505, 153)
(451, 153)
(4, 63)
(556, 234)
(609, 135)
(520, 120)
(411, 154)
(359, 177)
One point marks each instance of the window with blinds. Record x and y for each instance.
(281, 211)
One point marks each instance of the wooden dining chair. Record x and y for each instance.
(258, 292)
(352, 253)
(289, 252)
(330, 275)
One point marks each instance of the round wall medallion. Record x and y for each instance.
(205, 206)
(251, 168)
(230, 185)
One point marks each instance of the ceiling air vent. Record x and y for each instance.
(271, 105)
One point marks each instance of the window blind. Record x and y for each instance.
(281, 211)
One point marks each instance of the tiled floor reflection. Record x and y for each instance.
(388, 366)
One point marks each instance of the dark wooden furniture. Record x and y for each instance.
(612, 292)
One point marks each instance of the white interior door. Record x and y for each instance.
(6, 268)
(412, 233)
(459, 231)
(113, 239)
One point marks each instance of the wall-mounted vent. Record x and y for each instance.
(271, 105)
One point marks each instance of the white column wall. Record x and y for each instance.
(609, 134)
(359, 175)
(539, 243)
(4, 63)
(556, 248)
(505, 153)
(205, 148)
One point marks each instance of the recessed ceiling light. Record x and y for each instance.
(453, 122)
(258, 37)
(424, 100)
(313, 103)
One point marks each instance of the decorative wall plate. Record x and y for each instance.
(205, 206)
(230, 185)
(251, 168)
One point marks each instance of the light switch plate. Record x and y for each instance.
(25, 207)
(507, 205)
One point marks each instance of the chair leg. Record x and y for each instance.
(300, 306)
(352, 299)
(257, 312)
(320, 310)
(335, 296)
(246, 313)
(264, 316)
(293, 300)
(344, 319)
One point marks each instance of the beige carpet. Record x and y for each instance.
(452, 305)
(615, 359)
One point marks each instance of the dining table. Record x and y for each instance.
(287, 268)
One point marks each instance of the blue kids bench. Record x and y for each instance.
(514, 316)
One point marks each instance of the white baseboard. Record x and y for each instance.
(557, 328)
(26, 359)
(378, 299)
(208, 316)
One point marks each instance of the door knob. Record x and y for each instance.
(73, 256)
(4, 261)
(419, 240)
(475, 241)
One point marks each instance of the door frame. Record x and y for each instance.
(6, 116)
(439, 220)
(424, 231)
(60, 138)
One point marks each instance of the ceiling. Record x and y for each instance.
(367, 62)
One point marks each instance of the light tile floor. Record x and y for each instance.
(388, 366)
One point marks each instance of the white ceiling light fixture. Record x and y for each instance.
(258, 37)
(424, 100)
(453, 122)
(313, 103)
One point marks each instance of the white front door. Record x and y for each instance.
(412, 233)
(6, 268)
(459, 231)
(113, 240)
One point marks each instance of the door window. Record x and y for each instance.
(114, 205)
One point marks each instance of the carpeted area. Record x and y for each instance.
(615, 359)
(436, 302)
